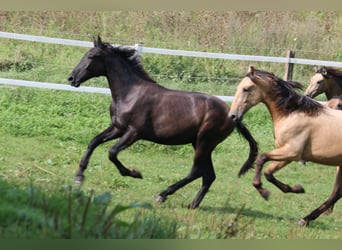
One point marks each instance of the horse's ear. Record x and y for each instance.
(251, 70)
(315, 69)
(98, 42)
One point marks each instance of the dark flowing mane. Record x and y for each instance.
(287, 99)
(132, 58)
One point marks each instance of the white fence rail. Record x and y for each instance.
(141, 49)
(60, 41)
(47, 85)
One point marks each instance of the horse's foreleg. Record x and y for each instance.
(275, 166)
(284, 155)
(329, 203)
(257, 178)
(125, 141)
(108, 134)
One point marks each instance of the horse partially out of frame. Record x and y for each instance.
(141, 109)
(304, 129)
(327, 80)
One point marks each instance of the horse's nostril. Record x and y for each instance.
(70, 78)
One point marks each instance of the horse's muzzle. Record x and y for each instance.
(235, 117)
(71, 80)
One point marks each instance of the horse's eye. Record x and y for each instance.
(246, 90)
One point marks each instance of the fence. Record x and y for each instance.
(289, 60)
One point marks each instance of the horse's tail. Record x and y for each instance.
(253, 147)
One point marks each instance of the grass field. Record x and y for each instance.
(36, 155)
(43, 133)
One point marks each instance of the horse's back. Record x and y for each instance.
(178, 116)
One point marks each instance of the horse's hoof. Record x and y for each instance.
(79, 179)
(298, 189)
(265, 194)
(160, 199)
(136, 174)
(303, 223)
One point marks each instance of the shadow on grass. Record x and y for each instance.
(257, 214)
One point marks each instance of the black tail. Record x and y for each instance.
(253, 147)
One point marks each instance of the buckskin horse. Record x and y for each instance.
(326, 80)
(304, 129)
(141, 109)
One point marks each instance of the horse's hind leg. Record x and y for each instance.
(108, 134)
(202, 167)
(329, 203)
(193, 175)
(330, 209)
(208, 177)
(125, 141)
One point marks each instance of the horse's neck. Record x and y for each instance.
(272, 109)
(122, 87)
(334, 89)
(119, 86)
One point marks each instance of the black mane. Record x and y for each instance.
(287, 99)
(132, 58)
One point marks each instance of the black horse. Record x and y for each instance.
(142, 109)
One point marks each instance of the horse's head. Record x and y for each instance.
(91, 65)
(318, 83)
(102, 58)
(248, 94)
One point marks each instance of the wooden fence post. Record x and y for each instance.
(289, 66)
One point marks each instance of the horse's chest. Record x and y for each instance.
(121, 116)
(287, 131)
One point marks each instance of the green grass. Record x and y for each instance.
(46, 159)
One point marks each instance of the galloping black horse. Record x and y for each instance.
(142, 109)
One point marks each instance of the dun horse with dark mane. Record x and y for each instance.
(326, 80)
(303, 130)
(143, 109)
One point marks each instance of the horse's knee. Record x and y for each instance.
(261, 160)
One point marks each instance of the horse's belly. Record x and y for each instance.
(327, 151)
(174, 140)
(171, 135)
